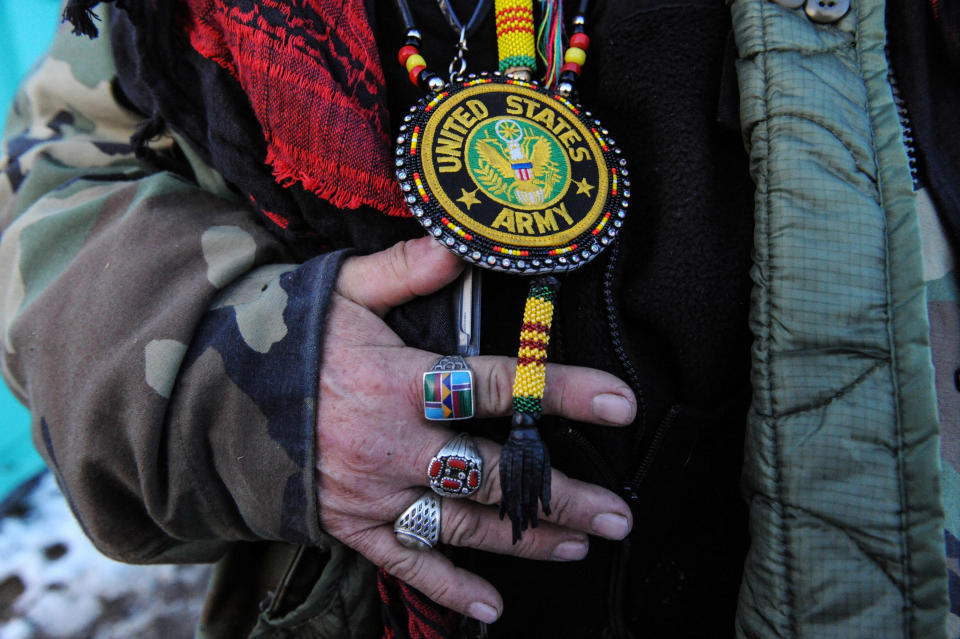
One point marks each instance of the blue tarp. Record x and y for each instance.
(26, 27)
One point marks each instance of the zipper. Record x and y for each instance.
(616, 334)
(632, 489)
(591, 453)
(905, 124)
(618, 627)
(633, 379)
(574, 436)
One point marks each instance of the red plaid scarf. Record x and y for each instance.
(304, 76)
(408, 613)
(308, 86)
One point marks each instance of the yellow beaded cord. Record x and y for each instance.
(530, 380)
(516, 37)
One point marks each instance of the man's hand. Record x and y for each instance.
(374, 445)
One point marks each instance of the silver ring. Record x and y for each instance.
(457, 468)
(418, 527)
(448, 390)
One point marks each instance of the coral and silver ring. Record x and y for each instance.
(457, 468)
(448, 390)
(418, 527)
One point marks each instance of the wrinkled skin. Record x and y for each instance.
(374, 444)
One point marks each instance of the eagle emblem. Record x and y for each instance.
(518, 163)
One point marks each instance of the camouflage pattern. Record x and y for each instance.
(943, 303)
(175, 295)
(182, 332)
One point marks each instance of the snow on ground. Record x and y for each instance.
(55, 585)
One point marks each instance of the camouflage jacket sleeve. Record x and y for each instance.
(166, 343)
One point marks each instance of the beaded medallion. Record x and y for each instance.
(512, 176)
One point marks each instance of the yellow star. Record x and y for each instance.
(583, 187)
(469, 198)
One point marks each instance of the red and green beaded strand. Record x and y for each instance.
(530, 380)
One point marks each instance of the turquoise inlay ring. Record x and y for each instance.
(448, 390)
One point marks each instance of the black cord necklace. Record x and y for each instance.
(425, 79)
(479, 13)
(515, 177)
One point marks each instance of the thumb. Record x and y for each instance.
(398, 274)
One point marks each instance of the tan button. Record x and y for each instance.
(790, 4)
(826, 11)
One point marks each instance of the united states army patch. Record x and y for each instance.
(511, 176)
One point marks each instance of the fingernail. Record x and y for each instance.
(483, 612)
(611, 526)
(570, 551)
(611, 408)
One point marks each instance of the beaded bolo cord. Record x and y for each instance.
(524, 460)
(517, 48)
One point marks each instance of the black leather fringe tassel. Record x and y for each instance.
(524, 474)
